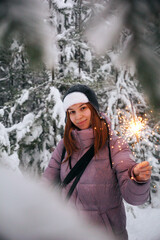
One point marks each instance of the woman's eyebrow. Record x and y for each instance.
(82, 104)
(71, 109)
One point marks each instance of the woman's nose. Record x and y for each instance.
(78, 115)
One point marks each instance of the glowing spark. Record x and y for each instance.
(136, 127)
(131, 126)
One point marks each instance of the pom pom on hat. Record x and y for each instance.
(80, 94)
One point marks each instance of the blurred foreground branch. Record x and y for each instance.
(31, 211)
(27, 22)
(133, 29)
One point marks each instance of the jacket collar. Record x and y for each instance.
(84, 138)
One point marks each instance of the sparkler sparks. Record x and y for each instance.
(131, 126)
(136, 126)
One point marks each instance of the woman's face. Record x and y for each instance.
(80, 115)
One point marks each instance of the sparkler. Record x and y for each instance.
(133, 129)
(136, 126)
(131, 126)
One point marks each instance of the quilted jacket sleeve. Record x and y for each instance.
(133, 192)
(52, 172)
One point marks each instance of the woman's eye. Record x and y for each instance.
(71, 112)
(82, 108)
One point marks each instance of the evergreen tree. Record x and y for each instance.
(131, 119)
(29, 114)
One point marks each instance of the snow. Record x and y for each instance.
(1, 112)
(24, 97)
(10, 162)
(4, 140)
(14, 45)
(23, 127)
(35, 133)
(64, 4)
(88, 59)
(144, 224)
(58, 106)
(69, 52)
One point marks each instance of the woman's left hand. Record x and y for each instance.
(142, 171)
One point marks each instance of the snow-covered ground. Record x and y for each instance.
(143, 223)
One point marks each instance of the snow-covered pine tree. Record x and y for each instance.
(132, 119)
(29, 114)
(75, 63)
(31, 122)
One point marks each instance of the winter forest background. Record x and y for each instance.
(45, 47)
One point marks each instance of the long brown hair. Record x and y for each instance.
(98, 125)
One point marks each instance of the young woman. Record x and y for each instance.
(112, 174)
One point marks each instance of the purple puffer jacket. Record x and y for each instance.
(100, 190)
